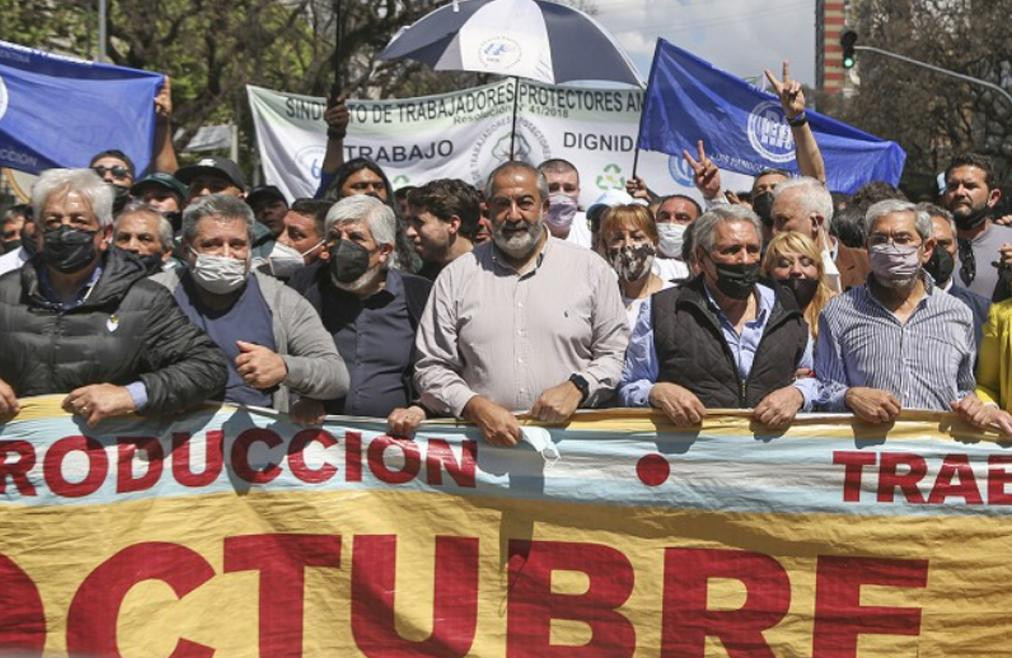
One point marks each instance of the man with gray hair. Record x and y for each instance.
(942, 264)
(897, 342)
(526, 321)
(273, 339)
(722, 339)
(369, 308)
(805, 205)
(81, 319)
(146, 233)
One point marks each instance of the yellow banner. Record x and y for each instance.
(232, 532)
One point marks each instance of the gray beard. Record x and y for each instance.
(367, 279)
(519, 247)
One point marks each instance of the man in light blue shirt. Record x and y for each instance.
(722, 340)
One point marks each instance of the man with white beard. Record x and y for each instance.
(369, 307)
(526, 321)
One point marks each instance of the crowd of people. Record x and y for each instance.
(154, 294)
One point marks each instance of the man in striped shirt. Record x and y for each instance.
(898, 341)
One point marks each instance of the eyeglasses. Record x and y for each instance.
(877, 239)
(967, 262)
(117, 171)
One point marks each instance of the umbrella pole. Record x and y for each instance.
(516, 103)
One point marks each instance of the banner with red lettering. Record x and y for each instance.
(233, 532)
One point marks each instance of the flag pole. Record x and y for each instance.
(335, 61)
(516, 103)
(636, 153)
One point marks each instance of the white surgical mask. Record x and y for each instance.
(219, 275)
(285, 260)
(671, 236)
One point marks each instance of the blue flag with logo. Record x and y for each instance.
(58, 111)
(744, 128)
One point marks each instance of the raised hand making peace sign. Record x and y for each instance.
(705, 174)
(792, 99)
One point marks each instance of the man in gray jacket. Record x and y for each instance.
(272, 337)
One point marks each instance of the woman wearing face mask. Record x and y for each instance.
(629, 239)
(792, 260)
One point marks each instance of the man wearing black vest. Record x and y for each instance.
(721, 340)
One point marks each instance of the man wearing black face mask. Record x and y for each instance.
(371, 308)
(80, 319)
(942, 263)
(970, 195)
(722, 339)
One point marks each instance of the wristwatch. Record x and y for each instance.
(580, 383)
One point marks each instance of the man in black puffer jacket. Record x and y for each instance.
(80, 318)
(721, 340)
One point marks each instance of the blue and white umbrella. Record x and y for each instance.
(535, 39)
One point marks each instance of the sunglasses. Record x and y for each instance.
(117, 171)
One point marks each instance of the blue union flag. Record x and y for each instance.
(58, 112)
(744, 129)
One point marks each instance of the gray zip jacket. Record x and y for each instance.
(315, 369)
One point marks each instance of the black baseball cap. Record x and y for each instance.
(212, 165)
(161, 179)
(265, 193)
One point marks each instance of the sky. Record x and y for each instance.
(739, 36)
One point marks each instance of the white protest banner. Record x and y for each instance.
(465, 134)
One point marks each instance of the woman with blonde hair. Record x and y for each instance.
(793, 260)
(629, 244)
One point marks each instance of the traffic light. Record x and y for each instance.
(847, 41)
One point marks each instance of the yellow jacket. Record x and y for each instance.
(994, 364)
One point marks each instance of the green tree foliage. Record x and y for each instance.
(931, 115)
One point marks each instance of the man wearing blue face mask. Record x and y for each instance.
(898, 341)
(370, 309)
(275, 344)
(565, 220)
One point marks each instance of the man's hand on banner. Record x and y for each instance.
(557, 404)
(403, 421)
(497, 425)
(872, 405)
(8, 401)
(306, 411)
(337, 117)
(985, 416)
(705, 174)
(96, 402)
(778, 409)
(679, 404)
(259, 367)
(163, 101)
(792, 98)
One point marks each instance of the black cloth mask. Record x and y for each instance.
(348, 261)
(68, 249)
(803, 289)
(940, 265)
(737, 280)
(973, 220)
(762, 204)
